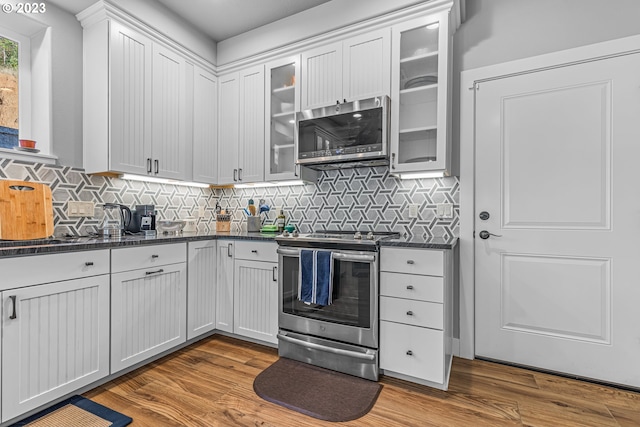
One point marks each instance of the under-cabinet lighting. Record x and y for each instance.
(269, 184)
(419, 175)
(292, 121)
(433, 26)
(162, 180)
(357, 115)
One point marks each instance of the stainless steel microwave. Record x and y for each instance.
(346, 135)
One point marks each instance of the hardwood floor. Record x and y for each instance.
(210, 383)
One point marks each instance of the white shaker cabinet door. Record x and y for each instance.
(256, 300)
(251, 120)
(201, 288)
(205, 126)
(148, 313)
(228, 107)
(367, 65)
(130, 97)
(171, 155)
(55, 340)
(322, 76)
(224, 288)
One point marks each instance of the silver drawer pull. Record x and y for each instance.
(155, 256)
(409, 313)
(409, 353)
(410, 287)
(254, 251)
(410, 261)
(149, 273)
(88, 263)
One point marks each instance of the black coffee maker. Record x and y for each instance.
(143, 219)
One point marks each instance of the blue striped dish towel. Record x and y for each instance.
(315, 281)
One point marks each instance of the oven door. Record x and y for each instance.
(353, 315)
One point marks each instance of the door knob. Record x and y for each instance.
(484, 235)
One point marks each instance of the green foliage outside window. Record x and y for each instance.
(8, 54)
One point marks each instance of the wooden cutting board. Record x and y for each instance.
(26, 210)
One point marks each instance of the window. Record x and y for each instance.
(9, 92)
(34, 107)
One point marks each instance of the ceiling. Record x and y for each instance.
(219, 19)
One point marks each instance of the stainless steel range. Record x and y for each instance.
(342, 335)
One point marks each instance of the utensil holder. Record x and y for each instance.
(223, 222)
(253, 223)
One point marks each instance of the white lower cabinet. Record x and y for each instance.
(148, 305)
(247, 294)
(255, 303)
(416, 315)
(224, 290)
(55, 336)
(201, 288)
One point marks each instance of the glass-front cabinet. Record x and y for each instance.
(282, 103)
(420, 88)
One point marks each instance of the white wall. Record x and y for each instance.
(312, 22)
(164, 21)
(497, 31)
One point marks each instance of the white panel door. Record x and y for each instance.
(251, 132)
(224, 286)
(255, 300)
(148, 313)
(367, 65)
(55, 340)
(130, 92)
(201, 288)
(205, 127)
(228, 126)
(556, 163)
(171, 157)
(321, 76)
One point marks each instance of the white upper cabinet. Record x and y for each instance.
(169, 149)
(282, 95)
(139, 102)
(130, 97)
(355, 68)
(205, 126)
(420, 90)
(241, 127)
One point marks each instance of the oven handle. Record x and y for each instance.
(321, 347)
(336, 255)
(287, 251)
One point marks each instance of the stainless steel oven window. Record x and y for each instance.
(352, 294)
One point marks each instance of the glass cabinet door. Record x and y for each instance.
(282, 103)
(419, 95)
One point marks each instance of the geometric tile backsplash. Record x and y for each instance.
(361, 198)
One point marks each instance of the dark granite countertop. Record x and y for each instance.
(425, 242)
(73, 244)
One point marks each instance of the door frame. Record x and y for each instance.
(469, 80)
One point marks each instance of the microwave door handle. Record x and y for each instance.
(353, 257)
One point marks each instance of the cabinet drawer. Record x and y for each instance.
(37, 269)
(255, 250)
(413, 351)
(412, 261)
(412, 286)
(126, 259)
(418, 313)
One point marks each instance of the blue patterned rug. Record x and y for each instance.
(76, 411)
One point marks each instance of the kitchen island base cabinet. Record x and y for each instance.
(148, 305)
(55, 340)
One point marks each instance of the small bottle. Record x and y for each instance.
(280, 221)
